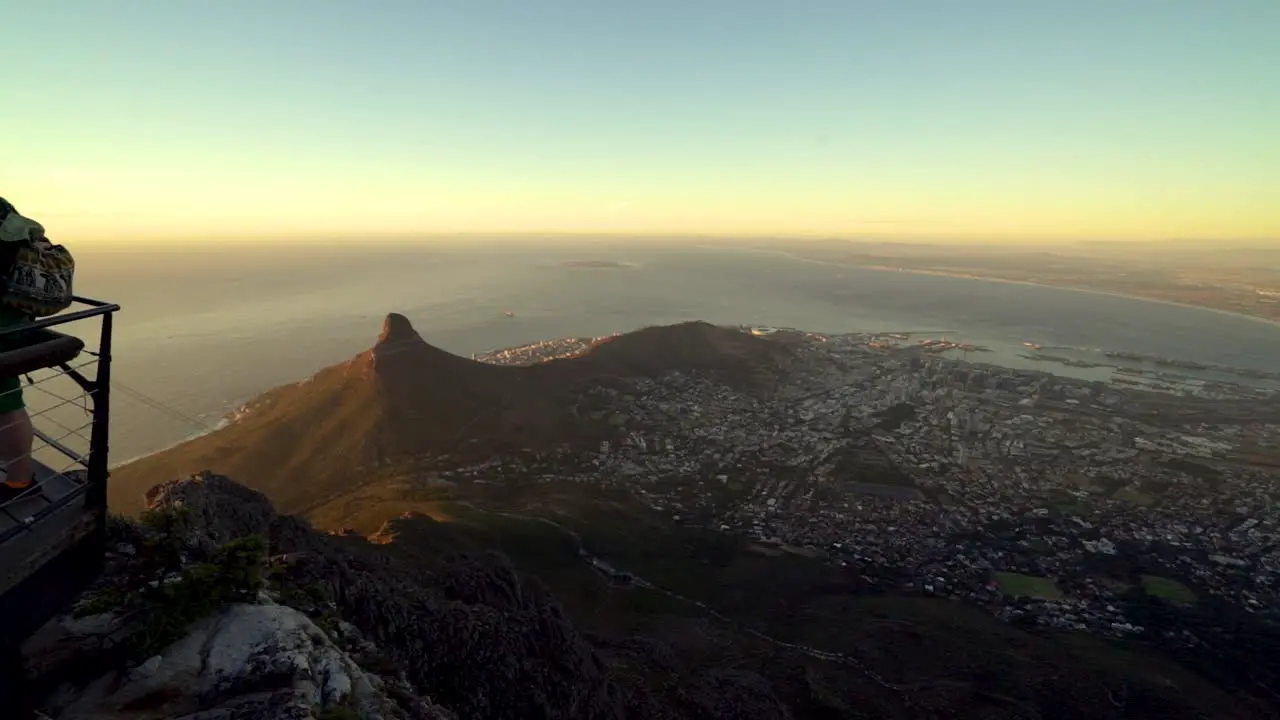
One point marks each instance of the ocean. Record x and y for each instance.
(205, 328)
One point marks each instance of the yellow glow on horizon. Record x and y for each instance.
(177, 223)
(161, 203)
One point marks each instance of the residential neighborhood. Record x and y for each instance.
(1045, 499)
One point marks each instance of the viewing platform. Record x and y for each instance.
(52, 537)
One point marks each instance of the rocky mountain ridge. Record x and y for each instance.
(401, 406)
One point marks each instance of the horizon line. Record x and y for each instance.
(904, 239)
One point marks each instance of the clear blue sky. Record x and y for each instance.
(975, 118)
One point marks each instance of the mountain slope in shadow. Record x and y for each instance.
(405, 405)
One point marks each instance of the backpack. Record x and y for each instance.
(35, 275)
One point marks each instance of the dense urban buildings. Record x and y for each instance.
(1047, 500)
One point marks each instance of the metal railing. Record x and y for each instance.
(52, 535)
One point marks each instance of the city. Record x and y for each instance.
(1046, 500)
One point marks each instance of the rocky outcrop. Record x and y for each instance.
(220, 510)
(344, 627)
(467, 630)
(470, 634)
(248, 661)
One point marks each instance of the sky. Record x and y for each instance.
(169, 120)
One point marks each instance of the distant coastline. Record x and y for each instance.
(1028, 283)
(596, 264)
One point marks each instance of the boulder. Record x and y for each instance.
(248, 661)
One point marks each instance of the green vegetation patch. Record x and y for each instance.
(1167, 589)
(1017, 584)
(1134, 496)
(162, 594)
(1193, 468)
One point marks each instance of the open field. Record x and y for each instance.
(1167, 589)
(1016, 584)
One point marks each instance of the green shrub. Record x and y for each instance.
(106, 600)
(166, 521)
(164, 538)
(165, 590)
(306, 598)
(233, 574)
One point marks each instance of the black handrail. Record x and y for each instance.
(96, 308)
(100, 432)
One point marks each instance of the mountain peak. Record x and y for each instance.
(408, 403)
(397, 330)
(397, 335)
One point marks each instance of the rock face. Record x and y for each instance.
(221, 510)
(252, 661)
(376, 631)
(397, 330)
(470, 632)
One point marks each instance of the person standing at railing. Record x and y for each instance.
(17, 434)
(35, 280)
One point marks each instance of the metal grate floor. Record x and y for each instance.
(51, 487)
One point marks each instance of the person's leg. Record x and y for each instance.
(16, 438)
